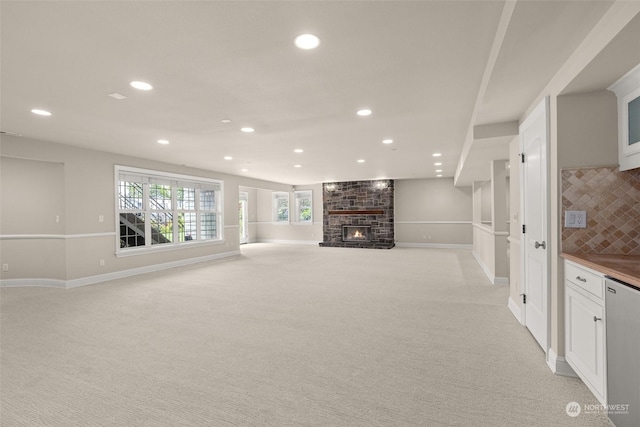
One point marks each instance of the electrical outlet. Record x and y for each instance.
(57, 218)
(575, 219)
(101, 263)
(5, 267)
(100, 218)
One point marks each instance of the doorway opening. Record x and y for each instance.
(243, 217)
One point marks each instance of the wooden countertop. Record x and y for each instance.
(621, 267)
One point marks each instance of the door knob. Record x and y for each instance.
(595, 319)
(543, 245)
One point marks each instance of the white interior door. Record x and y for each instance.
(243, 217)
(535, 251)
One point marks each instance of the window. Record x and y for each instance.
(161, 209)
(304, 206)
(280, 207)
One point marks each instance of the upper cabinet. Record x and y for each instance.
(627, 89)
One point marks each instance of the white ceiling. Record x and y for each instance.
(418, 65)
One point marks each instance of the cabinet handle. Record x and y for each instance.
(581, 279)
(595, 319)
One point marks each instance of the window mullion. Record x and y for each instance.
(146, 194)
(198, 215)
(175, 219)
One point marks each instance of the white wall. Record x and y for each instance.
(291, 232)
(432, 213)
(31, 208)
(485, 203)
(515, 231)
(45, 180)
(490, 233)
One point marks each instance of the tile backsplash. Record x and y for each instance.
(612, 201)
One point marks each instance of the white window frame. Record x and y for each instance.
(299, 195)
(149, 177)
(275, 197)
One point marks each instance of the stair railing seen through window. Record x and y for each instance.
(162, 209)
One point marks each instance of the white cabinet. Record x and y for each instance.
(627, 90)
(585, 328)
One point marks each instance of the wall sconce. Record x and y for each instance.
(381, 185)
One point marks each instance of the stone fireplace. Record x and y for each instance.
(358, 214)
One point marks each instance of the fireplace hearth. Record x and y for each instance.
(356, 233)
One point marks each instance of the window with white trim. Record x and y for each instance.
(163, 209)
(304, 206)
(280, 206)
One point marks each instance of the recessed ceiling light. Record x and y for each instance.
(163, 141)
(439, 170)
(360, 160)
(439, 176)
(40, 112)
(298, 150)
(244, 170)
(226, 120)
(297, 166)
(247, 129)
(364, 112)
(141, 85)
(437, 164)
(437, 154)
(387, 141)
(307, 41)
(228, 158)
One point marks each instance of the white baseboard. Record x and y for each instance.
(434, 245)
(91, 280)
(496, 280)
(559, 365)
(23, 283)
(289, 242)
(515, 309)
(503, 281)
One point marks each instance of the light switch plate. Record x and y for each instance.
(575, 219)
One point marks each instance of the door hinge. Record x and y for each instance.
(524, 298)
(524, 229)
(522, 157)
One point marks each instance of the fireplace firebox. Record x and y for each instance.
(356, 233)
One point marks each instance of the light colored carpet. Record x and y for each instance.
(282, 336)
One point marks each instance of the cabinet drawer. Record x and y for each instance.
(584, 279)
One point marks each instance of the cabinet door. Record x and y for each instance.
(627, 89)
(585, 350)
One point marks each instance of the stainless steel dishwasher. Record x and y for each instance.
(623, 353)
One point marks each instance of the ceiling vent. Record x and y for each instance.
(117, 96)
